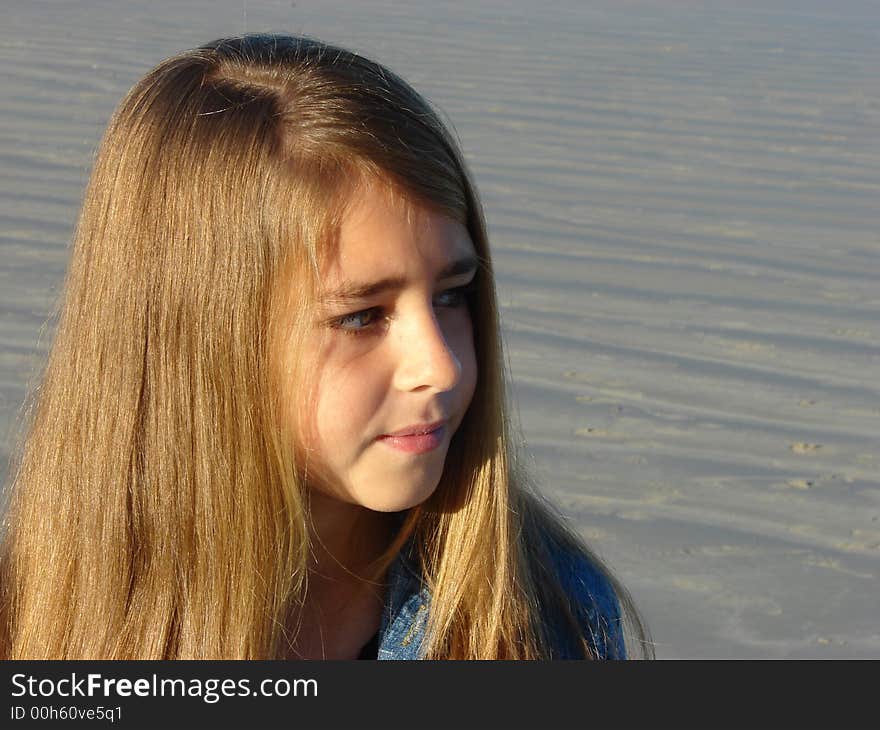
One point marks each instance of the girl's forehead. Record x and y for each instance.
(371, 196)
(381, 229)
(383, 247)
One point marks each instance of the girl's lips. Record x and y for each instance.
(417, 429)
(417, 444)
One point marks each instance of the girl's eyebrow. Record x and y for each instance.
(350, 291)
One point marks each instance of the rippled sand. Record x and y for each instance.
(683, 208)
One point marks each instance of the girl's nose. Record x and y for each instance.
(425, 358)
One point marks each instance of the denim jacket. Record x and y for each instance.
(407, 604)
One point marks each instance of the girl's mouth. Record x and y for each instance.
(416, 443)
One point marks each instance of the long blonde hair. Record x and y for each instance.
(157, 509)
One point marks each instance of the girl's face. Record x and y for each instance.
(391, 351)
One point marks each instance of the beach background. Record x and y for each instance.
(683, 200)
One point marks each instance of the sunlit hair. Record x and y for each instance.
(156, 508)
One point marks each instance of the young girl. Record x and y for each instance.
(273, 420)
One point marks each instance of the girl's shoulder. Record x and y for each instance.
(588, 598)
(592, 601)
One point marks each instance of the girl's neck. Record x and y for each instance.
(343, 606)
(346, 538)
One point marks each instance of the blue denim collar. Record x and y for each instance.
(407, 604)
(402, 631)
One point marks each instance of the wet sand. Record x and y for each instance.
(683, 209)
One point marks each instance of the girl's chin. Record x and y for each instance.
(384, 501)
(396, 500)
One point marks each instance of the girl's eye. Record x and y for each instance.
(366, 321)
(458, 296)
(356, 323)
